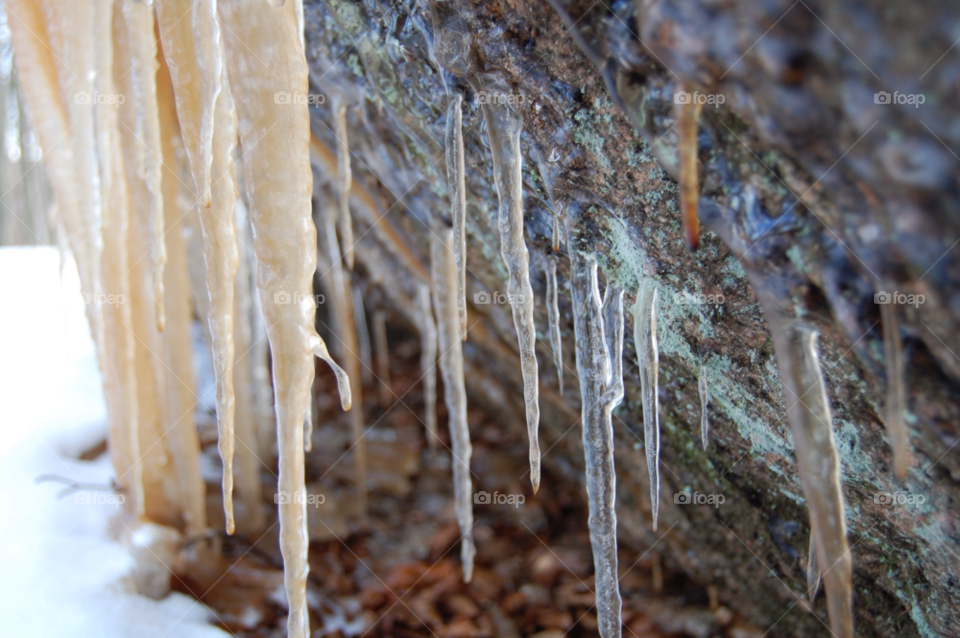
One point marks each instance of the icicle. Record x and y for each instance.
(428, 362)
(143, 51)
(185, 442)
(688, 117)
(457, 190)
(221, 259)
(248, 461)
(645, 337)
(259, 346)
(555, 232)
(818, 462)
(363, 335)
(344, 177)
(896, 394)
(813, 571)
(120, 378)
(161, 482)
(348, 347)
(444, 271)
(599, 365)
(300, 24)
(503, 129)
(264, 57)
(704, 401)
(553, 312)
(383, 358)
(37, 74)
(71, 30)
(190, 34)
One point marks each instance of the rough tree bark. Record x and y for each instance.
(819, 193)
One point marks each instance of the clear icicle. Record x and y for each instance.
(363, 335)
(553, 313)
(347, 341)
(190, 34)
(704, 403)
(645, 338)
(457, 190)
(813, 571)
(808, 411)
(264, 57)
(503, 130)
(896, 393)
(428, 362)
(688, 117)
(143, 50)
(599, 365)
(444, 271)
(344, 177)
(383, 358)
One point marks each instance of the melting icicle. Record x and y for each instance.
(221, 259)
(456, 187)
(553, 312)
(808, 412)
(599, 364)
(896, 394)
(383, 358)
(143, 52)
(265, 57)
(185, 442)
(813, 571)
(190, 34)
(444, 271)
(344, 177)
(688, 117)
(704, 401)
(645, 337)
(503, 130)
(428, 362)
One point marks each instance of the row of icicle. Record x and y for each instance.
(211, 81)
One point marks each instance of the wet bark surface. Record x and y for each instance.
(812, 190)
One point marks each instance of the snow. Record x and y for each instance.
(64, 574)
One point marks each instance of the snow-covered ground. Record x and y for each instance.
(63, 573)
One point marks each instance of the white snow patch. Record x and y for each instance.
(64, 575)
